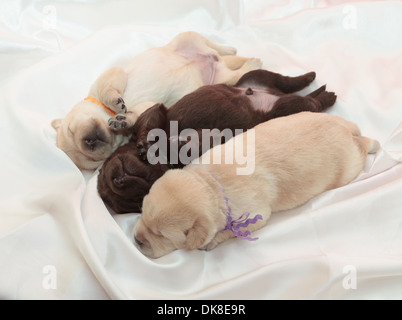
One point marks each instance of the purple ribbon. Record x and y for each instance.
(243, 221)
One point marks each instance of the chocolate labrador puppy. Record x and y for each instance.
(128, 174)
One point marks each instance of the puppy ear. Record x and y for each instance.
(177, 237)
(198, 234)
(56, 123)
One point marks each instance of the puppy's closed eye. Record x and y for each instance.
(140, 243)
(139, 238)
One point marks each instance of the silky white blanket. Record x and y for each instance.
(59, 241)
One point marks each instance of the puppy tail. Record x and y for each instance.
(367, 145)
(374, 146)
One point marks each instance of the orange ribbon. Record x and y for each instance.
(108, 110)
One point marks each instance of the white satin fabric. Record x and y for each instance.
(59, 241)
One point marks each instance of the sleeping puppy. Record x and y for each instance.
(296, 158)
(126, 176)
(163, 74)
(125, 179)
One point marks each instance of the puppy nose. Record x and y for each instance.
(119, 182)
(138, 241)
(90, 143)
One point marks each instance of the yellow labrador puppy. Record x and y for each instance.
(163, 74)
(294, 158)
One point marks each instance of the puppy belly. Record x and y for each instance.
(206, 65)
(175, 76)
(208, 69)
(259, 99)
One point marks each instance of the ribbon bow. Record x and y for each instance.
(243, 221)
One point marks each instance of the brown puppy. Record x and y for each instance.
(295, 158)
(125, 178)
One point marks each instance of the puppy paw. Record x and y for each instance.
(143, 146)
(121, 122)
(113, 100)
(227, 51)
(119, 104)
(252, 64)
(209, 246)
(327, 99)
(309, 77)
(118, 122)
